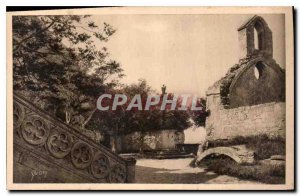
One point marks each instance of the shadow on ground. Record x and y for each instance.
(158, 175)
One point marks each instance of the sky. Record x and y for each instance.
(187, 53)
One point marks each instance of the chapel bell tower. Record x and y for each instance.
(255, 39)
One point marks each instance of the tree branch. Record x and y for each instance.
(32, 35)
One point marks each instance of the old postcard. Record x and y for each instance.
(151, 98)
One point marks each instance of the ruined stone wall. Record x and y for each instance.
(152, 140)
(253, 91)
(267, 86)
(247, 37)
(268, 118)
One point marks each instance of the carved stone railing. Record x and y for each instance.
(48, 150)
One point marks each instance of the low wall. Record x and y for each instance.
(266, 118)
(152, 140)
(188, 148)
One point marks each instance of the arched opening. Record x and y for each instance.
(259, 36)
(259, 70)
(214, 159)
(219, 151)
(255, 39)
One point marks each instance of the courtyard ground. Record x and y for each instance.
(178, 171)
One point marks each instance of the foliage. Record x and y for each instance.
(262, 145)
(225, 84)
(125, 121)
(60, 63)
(266, 173)
(57, 64)
(199, 116)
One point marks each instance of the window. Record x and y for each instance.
(258, 36)
(259, 70)
(255, 39)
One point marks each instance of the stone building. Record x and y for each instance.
(152, 140)
(250, 98)
(134, 142)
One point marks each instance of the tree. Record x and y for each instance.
(58, 66)
(122, 121)
(199, 116)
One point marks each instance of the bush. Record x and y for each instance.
(262, 145)
(271, 174)
(226, 82)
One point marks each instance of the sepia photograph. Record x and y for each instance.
(150, 98)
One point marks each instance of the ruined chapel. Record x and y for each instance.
(250, 98)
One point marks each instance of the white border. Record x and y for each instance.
(77, 2)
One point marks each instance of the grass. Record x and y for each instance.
(262, 145)
(270, 174)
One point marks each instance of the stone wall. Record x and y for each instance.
(152, 140)
(247, 38)
(253, 92)
(254, 85)
(266, 118)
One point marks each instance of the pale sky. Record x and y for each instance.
(187, 53)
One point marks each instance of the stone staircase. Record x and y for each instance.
(46, 150)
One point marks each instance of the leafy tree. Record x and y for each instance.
(199, 116)
(122, 121)
(57, 65)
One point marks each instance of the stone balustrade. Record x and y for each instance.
(46, 150)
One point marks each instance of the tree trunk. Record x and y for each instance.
(142, 143)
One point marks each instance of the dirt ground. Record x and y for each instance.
(178, 171)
